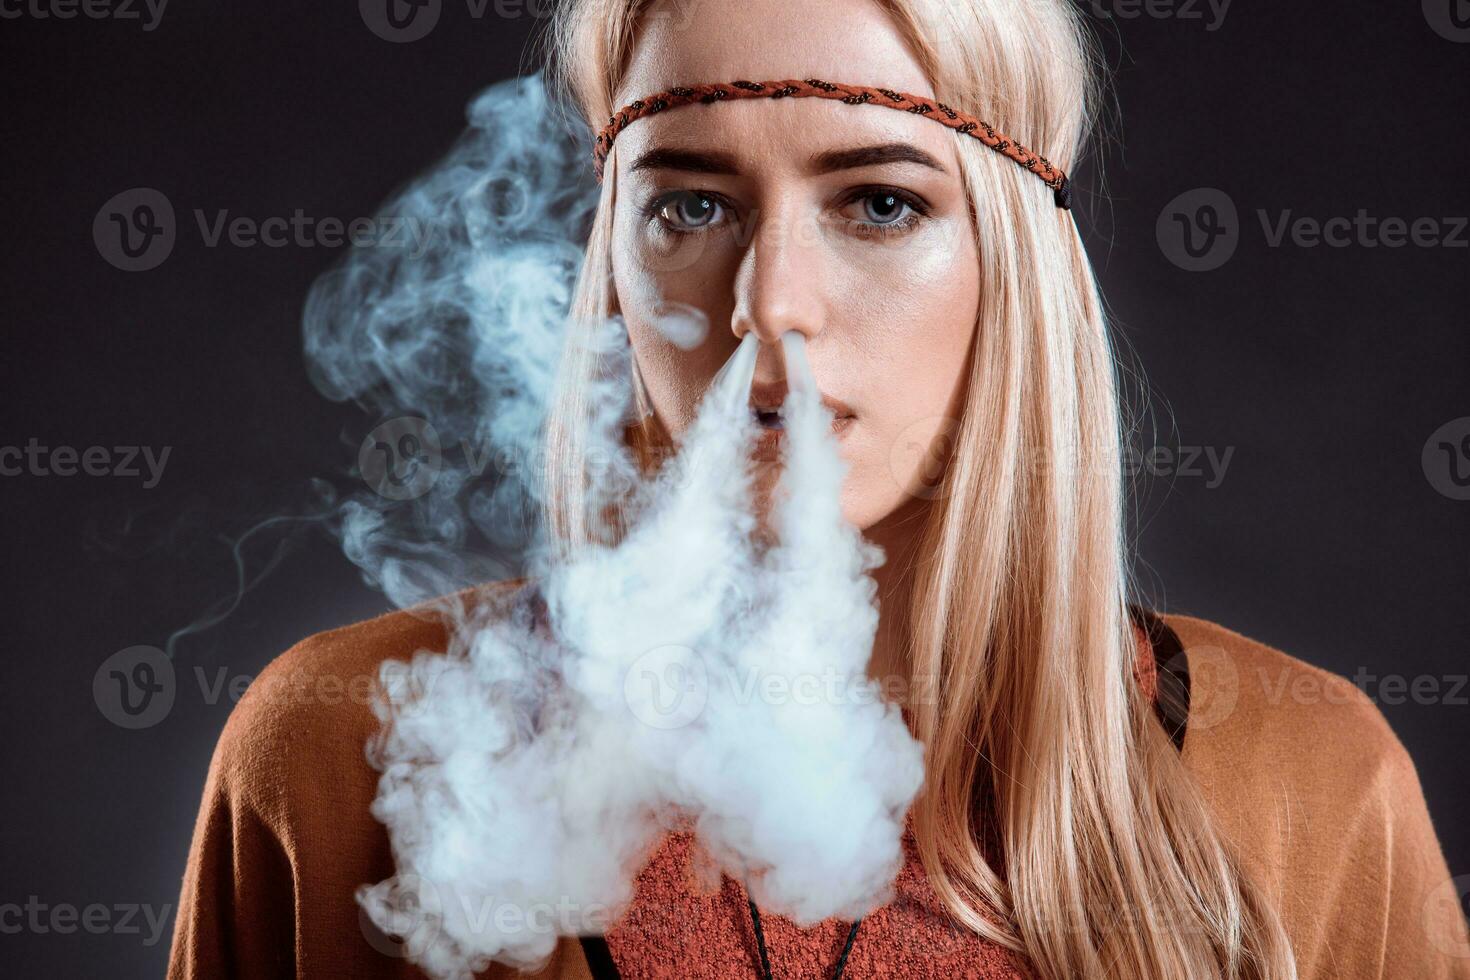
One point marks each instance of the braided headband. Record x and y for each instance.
(849, 94)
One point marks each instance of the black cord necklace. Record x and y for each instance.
(760, 939)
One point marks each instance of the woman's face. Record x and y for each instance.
(846, 223)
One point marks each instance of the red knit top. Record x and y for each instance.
(686, 924)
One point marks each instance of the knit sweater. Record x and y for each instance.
(1302, 771)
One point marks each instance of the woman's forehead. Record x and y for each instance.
(689, 42)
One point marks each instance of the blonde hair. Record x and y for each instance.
(1112, 865)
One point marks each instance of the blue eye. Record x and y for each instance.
(887, 213)
(686, 210)
(889, 207)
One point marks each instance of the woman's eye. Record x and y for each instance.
(886, 212)
(883, 208)
(687, 210)
(880, 212)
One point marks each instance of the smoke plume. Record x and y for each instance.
(709, 667)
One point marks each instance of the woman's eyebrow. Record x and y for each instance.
(868, 156)
(671, 158)
(716, 162)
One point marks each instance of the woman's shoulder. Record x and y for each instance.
(1322, 800)
(285, 833)
(1287, 752)
(294, 753)
(312, 705)
(1254, 705)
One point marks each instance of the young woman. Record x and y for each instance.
(1108, 792)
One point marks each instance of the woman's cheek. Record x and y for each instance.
(668, 372)
(667, 369)
(869, 492)
(917, 351)
(880, 466)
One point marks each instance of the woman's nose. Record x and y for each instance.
(779, 285)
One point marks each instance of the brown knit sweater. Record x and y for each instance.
(1300, 766)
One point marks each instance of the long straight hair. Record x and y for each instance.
(1109, 862)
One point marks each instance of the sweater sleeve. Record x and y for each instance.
(1323, 802)
(236, 905)
(285, 835)
(1394, 910)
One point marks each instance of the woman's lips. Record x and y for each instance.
(769, 442)
(767, 399)
(768, 396)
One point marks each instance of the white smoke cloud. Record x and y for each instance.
(695, 669)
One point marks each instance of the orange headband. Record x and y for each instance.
(849, 94)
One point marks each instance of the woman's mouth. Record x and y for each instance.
(767, 406)
(773, 432)
(769, 419)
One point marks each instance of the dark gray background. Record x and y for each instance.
(1324, 369)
